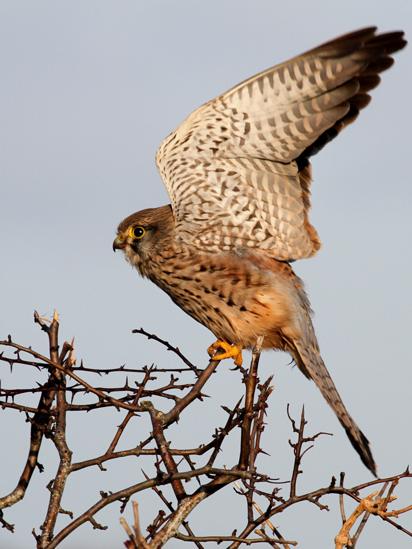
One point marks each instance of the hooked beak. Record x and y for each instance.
(118, 243)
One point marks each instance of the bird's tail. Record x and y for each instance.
(305, 352)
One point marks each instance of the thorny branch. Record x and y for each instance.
(182, 477)
(40, 420)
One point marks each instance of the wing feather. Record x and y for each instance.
(237, 168)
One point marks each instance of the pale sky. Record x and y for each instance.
(88, 91)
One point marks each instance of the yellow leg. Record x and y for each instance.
(229, 351)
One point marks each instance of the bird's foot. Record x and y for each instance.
(229, 351)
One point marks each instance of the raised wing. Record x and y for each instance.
(237, 168)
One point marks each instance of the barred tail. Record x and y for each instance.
(310, 362)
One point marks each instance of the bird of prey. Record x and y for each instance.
(238, 174)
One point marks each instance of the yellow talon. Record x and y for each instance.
(229, 351)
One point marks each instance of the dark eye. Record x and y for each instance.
(137, 232)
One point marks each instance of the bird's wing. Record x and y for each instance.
(237, 168)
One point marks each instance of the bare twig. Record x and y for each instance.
(40, 421)
(246, 541)
(250, 382)
(177, 470)
(65, 454)
(136, 537)
(169, 347)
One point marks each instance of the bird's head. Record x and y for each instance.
(143, 235)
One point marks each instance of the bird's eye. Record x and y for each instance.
(137, 232)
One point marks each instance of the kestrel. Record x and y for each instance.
(238, 174)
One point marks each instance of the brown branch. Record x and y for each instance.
(39, 422)
(298, 450)
(136, 537)
(341, 499)
(57, 366)
(152, 529)
(99, 371)
(169, 347)
(359, 530)
(107, 499)
(215, 444)
(221, 539)
(161, 516)
(185, 507)
(163, 447)
(65, 454)
(165, 525)
(173, 414)
(257, 430)
(233, 420)
(250, 382)
(20, 407)
(315, 495)
(4, 524)
(129, 415)
(268, 522)
(74, 390)
(187, 504)
(374, 504)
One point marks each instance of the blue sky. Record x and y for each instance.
(89, 89)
